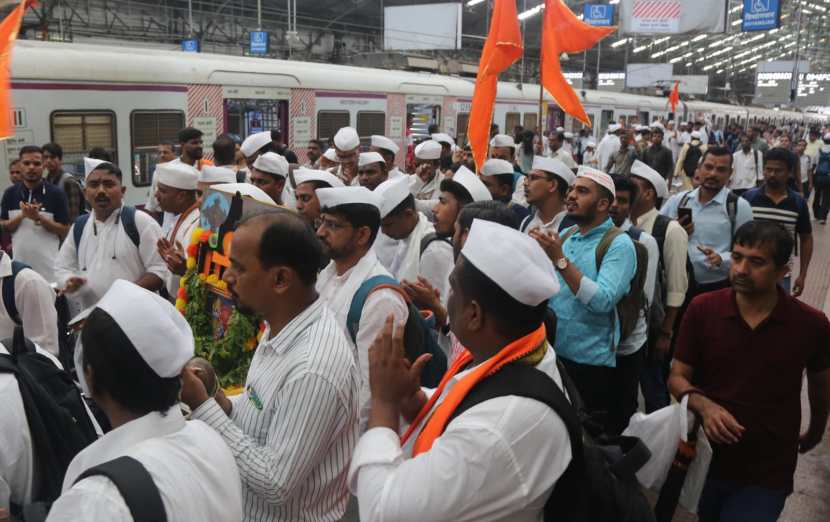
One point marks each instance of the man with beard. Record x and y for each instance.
(587, 333)
(428, 176)
(308, 181)
(115, 242)
(775, 201)
(371, 170)
(313, 152)
(712, 216)
(498, 176)
(741, 357)
(547, 187)
(349, 223)
(293, 429)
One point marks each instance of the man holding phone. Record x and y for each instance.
(710, 214)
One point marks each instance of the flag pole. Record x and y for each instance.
(541, 87)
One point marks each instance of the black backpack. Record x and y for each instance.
(136, 486)
(59, 425)
(691, 160)
(600, 483)
(429, 238)
(126, 217)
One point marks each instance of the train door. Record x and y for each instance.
(606, 119)
(244, 117)
(420, 117)
(626, 117)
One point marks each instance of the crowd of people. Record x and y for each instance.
(657, 262)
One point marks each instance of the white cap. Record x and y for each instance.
(346, 139)
(177, 175)
(367, 158)
(496, 167)
(254, 142)
(695, 135)
(526, 274)
(503, 140)
(597, 176)
(306, 175)
(554, 166)
(826, 137)
(472, 184)
(568, 135)
(658, 125)
(641, 170)
(211, 174)
(336, 196)
(614, 127)
(560, 129)
(428, 150)
(382, 142)
(91, 164)
(442, 137)
(392, 193)
(245, 189)
(272, 163)
(161, 336)
(331, 155)
(591, 142)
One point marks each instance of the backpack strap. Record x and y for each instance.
(78, 229)
(605, 243)
(634, 233)
(732, 209)
(429, 238)
(128, 223)
(359, 300)
(8, 292)
(659, 230)
(525, 222)
(135, 484)
(684, 199)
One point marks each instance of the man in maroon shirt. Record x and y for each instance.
(740, 357)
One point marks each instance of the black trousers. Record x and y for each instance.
(625, 385)
(594, 384)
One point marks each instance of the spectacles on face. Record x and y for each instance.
(332, 225)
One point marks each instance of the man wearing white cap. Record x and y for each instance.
(269, 173)
(590, 158)
(609, 145)
(447, 146)
(428, 175)
(293, 429)
(350, 222)
(176, 193)
(503, 147)
(371, 170)
(113, 242)
(688, 160)
(420, 252)
(388, 149)
(211, 175)
(135, 345)
(489, 451)
(546, 189)
(347, 146)
(328, 160)
(308, 206)
(587, 331)
(499, 177)
(557, 142)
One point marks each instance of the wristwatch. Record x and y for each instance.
(562, 263)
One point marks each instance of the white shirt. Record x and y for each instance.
(590, 158)
(106, 253)
(565, 157)
(190, 464)
(35, 303)
(185, 230)
(607, 148)
(435, 264)
(675, 248)
(747, 169)
(426, 194)
(293, 450)
(337, 291)
(535, 221)
(637, 338)
(497, 461)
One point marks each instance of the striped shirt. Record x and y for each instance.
(294, 428)
(791, 212)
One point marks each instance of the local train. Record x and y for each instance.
(128, 100)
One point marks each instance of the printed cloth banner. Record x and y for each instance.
(672, 16)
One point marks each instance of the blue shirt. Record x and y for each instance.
(712, 229)
(586, 327)
(51, 198)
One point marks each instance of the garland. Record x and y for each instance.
(231, 354)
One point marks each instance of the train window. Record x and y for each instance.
(329, 122)
(147, 130)
(79, 131)
(530, 121)
(462, 120)
(511, 121)
(368, 123)
(420, 118)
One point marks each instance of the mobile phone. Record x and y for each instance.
(684, 214)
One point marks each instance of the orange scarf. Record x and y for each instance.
(436, 424)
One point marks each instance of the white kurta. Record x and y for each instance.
(497, 461)
(189, 462)
(106, 253)
(385, 248)
(565, 157)
(426, 194)
(185, 230)
(35, 303)
(607, 148)
(337, 292)
(434, 265)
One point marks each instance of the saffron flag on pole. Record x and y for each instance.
(563, 32)
(9, 28)
(674, 97)
(502, 48)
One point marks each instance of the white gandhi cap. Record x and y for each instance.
(346, 139)
(305, 175)
(159, 333)
(382, 142)
(331, 155)
(503, 140)
(641, 170)
(597, 176)
(245, 189)
(526, 274)
(554, 166)
(211, 174)
(428, 150)
(442, 137)
(336, 196)
(272, 163)
(471, 183)
(177, 175)
(496, 167)
(367, 158)
(91, 164)
(392, 193)
(254, 143)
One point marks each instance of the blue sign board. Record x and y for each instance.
(190, 46)
(259, 42)
(761, 15)
(598, 14)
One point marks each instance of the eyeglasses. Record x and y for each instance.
(332, 225)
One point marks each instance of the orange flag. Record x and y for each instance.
(674, 97)
(563, 32)
(8, 34)
(502, 48)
